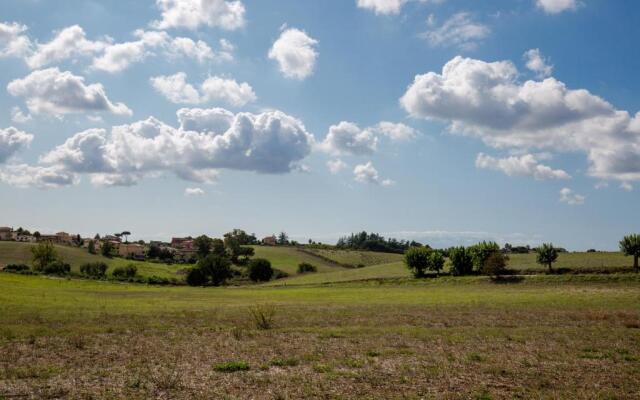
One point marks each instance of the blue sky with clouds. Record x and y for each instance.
(444, 121)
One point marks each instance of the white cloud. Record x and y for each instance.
(26, 176)
(18, 117)
(525, 165)
(366, 173)
(214, 89)
(396, 131)
(191, 192)
(460, 30)
(382, 6)
(270, 142)
(176, 89)
(51, 91)
(335, 166)
(295, 52)
(348, 138)
(556, 6)
(486, 100)
(12, 140)
(626, 186)
(191, 14)
(13, 42)
(536, 63)
(571, 198)
(69, 42)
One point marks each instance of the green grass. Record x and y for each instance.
(573, 260)
(355, 257)
(287, 259)
(384, 271)
(20, 253)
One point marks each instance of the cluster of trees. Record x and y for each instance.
(374, 242)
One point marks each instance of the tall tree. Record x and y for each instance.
(630, 246)
(126, 235)
(43, 254)
(283, 238)
(547, 255)
(203, 245)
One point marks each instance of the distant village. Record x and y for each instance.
(179, 249)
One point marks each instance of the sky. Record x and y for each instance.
(442, 121)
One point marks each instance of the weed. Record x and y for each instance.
(232, 366)
(263, 316)
(285, 362)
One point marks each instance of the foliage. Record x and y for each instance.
(283, 238)
(107, 249)
(195, 277)
(373, 242)
(495, 264)
(241, 237)
(232, 366)
(126, 272)
(481, 253)
(16, 268)
(461, 260)
(630, 246)
(203, 245)
(95, 270)
(43, 254)
(422, 259)
(260, 270)
(57, 267)
(92, 247)
(263, 316)
(546, 255)
(304, 267)
(217, 247)
(216, 269)
(236, 250)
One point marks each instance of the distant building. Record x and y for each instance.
(186, 243)
(132, 250)
(26, 238)
(270, 240)
(6, 233)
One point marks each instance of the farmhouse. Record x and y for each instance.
(270, 240)
(7, 233)
(132, 250)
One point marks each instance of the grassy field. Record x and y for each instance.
(355, 258)
(287, 259)
(461, 338)
(20, 253)
(384, 271)
(573, 261)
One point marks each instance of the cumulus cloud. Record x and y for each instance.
(12, 140)
(335, 166)
(13, 41)
(382, 6)
(366, 173)
(536, 63)
(486, 100)
(460, 30)
(348, 138)
(556, 6)
(69, 42)
(214, 89)
(191, 192)
(295, 52)
(41, 177)
(51, 91)
(206, 141)
(396, 131)
(191, 14)
(525, 165)
(19, 117)
(117, 57)
(571, 198)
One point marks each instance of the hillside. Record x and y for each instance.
(287, 259)
(356, 257)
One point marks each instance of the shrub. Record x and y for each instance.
(195, 277)
(126, 272)
(278, 274)
(57, 267)
(16, 268)
(43, 254)
(436, 261)
(158, 280)
(232, 366)
(94, 270)
(216, 268)
(481, 253)
(461, 260)
(260, 270)
(495, 264)
(304, 267)
(263, 316)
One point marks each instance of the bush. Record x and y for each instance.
(260, 270)
(216, 268)
(195, 277)
(232, 366)
(481, 253)
(158, 280)
(278, 274)
(16, 268)
(59, 268)
(417, 260)
(461, 261)
(304, 267)
(495, 265)
(94, 270)
(43, 254)
(127, 272)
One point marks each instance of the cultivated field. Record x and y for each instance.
(355, 258)
(459, 338)
(287, 259)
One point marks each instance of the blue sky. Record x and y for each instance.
(444, 121)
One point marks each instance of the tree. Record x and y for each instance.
(217, 247)
(236, 250)
(417, 260)
(203, 245)
(97, 236)
(37, 235)
(96, 270)
(283, 238)
(260, 270)
(547, 255)
(126, 235)
(242, 237)
(481, 253)
(43, 254)
(216, 268)
(495, 265)
(630, 246)
(461, 260)
(436, 261)
(196, 277)
(107, 248)
(92, 247)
